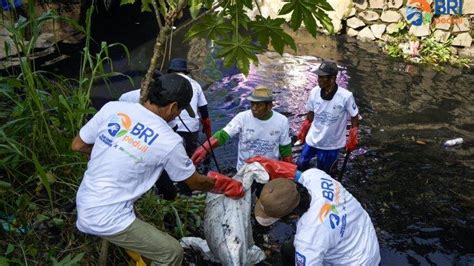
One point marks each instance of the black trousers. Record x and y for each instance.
(287, 252)
(164, 184)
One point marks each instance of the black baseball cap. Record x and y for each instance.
(170, 88)
(327, 68)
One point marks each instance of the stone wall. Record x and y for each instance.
(374, 20)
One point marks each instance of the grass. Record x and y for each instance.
(432, 51)
(40, 113)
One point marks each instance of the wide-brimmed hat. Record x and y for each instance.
(327, 68)
(261, 94)
(279, 198)
(170, 88)
(178, 65)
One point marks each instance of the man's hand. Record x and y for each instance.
(201, 152)
(274, 168)
(206, 127)
(352, 141)
(225, 185)
(304, 130)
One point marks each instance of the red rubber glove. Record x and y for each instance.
(352, 141)
(201, 152)
(225, 185)
(274, 168)
(206, 126)
(304, 130)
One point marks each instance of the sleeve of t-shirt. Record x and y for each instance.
(309, 103)
(308, 254)
(178, 165)
(351, 106)
(285, 133)
(201, 99)
(131, 96)
(234, 126)
(90, 131)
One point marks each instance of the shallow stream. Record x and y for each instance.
(418, 193)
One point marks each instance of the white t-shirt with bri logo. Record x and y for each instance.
(258, 137)
(197, 100)
(327, 132)
(131, 148)
(335, 230)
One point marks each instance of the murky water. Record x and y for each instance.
(418, 193)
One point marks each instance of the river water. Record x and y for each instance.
(418, 193)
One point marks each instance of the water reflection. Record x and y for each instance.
(418, 193)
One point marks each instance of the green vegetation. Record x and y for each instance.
(40, 113)
(430, 50)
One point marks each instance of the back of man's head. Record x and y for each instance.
(170, 88)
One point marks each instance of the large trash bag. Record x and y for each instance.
(227, 226)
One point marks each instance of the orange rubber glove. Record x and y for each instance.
(352, 141)
(274, 168)
(201, 152)
(304, 130)
(206, 127)
(225, 185)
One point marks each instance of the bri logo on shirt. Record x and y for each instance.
(139, 136)
(328, 214)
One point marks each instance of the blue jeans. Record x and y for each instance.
(325, 158)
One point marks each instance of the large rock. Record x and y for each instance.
(376, 4)
(378, 30)
(340, 9)
(361, 4)
(461, 26)
(369, 15)
(366, 34)
(390, 16)
(355, 23)
(352, 12)
(441, 35)
(466, 52)
(462, 40)
(395, 4)
(442, 22)
(391, 28)
(420, 31)
(468, 7)
(352, 32)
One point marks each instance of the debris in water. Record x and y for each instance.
(453, 142)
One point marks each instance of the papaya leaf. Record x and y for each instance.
(212, 27)
(269, 30)
(239, 51)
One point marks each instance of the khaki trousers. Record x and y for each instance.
(148, 241)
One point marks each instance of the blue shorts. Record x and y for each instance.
(326, 159)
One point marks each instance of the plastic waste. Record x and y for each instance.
(227, 226)
(453, 142)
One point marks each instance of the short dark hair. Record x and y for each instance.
(305, 200)
(170, 88)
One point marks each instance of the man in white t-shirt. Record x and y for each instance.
(187, 126)
(261, 131)
(333, 228)
(130, 144)
(324, 130)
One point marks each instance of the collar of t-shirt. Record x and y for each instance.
(330, 95)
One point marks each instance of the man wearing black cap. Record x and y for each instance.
(323, 132)
(187, 126)
(332, 229)
(129, 146)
